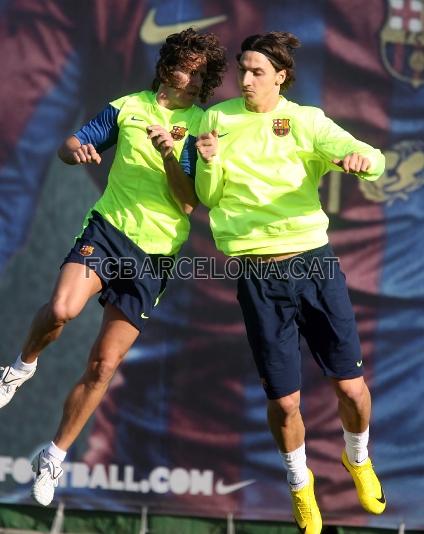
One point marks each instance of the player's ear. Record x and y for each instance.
(281, 77)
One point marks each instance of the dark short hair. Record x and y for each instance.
(278, 48)
(181, 49)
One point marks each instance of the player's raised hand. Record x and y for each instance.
(207, 145)
(353, 163)
(161, 139)
(86, 154)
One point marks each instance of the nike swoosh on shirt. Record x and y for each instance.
(135, 119)
(222, 135)
(224, 489)
(153, 33)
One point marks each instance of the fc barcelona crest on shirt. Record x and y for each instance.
(402, 40)
(86, 250)
(178, 133)
(281, 127)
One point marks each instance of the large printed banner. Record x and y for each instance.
(183, 426)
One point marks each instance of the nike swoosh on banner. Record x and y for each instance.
(152, 33)
(224, 489)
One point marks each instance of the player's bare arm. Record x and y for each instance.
(181, 185)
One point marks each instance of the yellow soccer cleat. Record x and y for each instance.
(305, 508)
(370, 492)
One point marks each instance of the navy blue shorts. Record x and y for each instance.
(303, 295)
(132, 280)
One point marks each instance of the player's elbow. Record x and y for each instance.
(189, 207)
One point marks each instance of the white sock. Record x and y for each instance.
(297, 472)
(55, 453)
(356, 446)
(19, 365)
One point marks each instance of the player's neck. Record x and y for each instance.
(264, 106)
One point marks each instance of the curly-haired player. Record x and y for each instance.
(175, 54)
(139, 222)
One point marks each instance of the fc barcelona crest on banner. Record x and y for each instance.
(402, 41)
(281, 127)
(178, 133)
(404, 174)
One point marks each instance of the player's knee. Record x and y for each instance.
(286, 407)
(351, 391)
(62, 312)
(101, 372)
(104, 361)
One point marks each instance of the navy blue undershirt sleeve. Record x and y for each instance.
(188, 156)
(102, 131)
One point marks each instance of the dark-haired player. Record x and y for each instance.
(262, 157)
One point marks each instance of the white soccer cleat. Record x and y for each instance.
(47, 473)
(10, 381)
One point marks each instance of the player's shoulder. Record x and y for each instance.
(227, 107)
(140, 98)
(303, 111)
(304, 116)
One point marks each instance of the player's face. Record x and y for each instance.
(259, 81)
(187, 83)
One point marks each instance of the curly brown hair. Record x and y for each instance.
(183, 50)
(278, 48)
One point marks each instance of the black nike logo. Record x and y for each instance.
(10, 381)
(136, 119)
(381, 499)
(222, 135)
